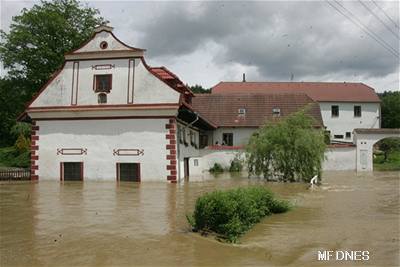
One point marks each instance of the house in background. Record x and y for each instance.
(344, 106)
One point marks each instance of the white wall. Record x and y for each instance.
(188, 151)
(100, 137)
(148, 89)
(241, 136)
(94, 44)
(346, 122)
(340, 159)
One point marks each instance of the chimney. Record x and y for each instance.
(244, 77)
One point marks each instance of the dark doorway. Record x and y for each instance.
(72, 171)
(128, 172)
(227, 139)
(186, 168)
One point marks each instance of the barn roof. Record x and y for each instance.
(318, 91)
(223, 109)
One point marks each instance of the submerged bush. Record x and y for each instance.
(216, 168)
(236, 165)
(231, 213)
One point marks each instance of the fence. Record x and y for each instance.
(15, 175)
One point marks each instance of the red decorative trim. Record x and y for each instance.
(34, 177)
(35, 128)
(162, 105)
(71, 151)
(35, 138)
(128, 152)
(34, 148)
(33, 157)
(171, 150)
(103, 66)
(61, 171)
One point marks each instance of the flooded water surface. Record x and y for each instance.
(127, 224)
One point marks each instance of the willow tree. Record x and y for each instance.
(289, 150)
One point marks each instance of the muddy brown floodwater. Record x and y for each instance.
(105, 224)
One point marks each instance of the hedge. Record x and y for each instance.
(231, 213)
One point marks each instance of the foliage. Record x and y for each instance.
(288, 150)
(392, 163)
(34, 48)
(216, 168)
(389, 145)
(231, 213)
(22, 144)
(21, 128)
(198, 89)
(236, 165)
(11, 157)
(390, 109)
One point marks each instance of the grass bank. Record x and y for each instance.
(391, 164)
(230, 214)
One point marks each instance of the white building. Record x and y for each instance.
(107, 115)
(344, 106)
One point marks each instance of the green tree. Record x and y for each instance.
(390, 109)
(289, 150)
(34, 48)
(389, 145)
(198, 89)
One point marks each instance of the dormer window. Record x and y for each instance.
(242, 111)
(102, 83)
(102, 98)
(276, 112)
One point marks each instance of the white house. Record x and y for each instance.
(344, 106)
(107, 115)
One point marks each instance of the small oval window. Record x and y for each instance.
(102, 98)
(103, 45)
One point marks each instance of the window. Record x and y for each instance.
(203, 140)
(242, 111)
(357, 111)
(335, 111)
(348, 134)
(102, 83)
(103, 45)
(72, 171)
(338, 136)
(128, 172)
(193, 139)
(102, 98)
(276, 112)
(227, 139)
(196, 162)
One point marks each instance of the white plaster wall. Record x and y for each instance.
(340, 159)
(148, 89)
(100, 137)
(241, 136)
(346, 122)
(188, 151)
(94, 44)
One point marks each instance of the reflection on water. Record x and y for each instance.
(108, 224)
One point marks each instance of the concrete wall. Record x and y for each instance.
(346, 122)
(147, 88)
(340, 159)
(100, 137)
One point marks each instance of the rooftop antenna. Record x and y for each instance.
(291, 76)
(244, 77)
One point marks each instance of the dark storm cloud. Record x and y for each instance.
(306, 39)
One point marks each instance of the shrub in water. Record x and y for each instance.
(236, 165)
(231, 213)
(216, 168)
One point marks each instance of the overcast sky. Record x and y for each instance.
(208, 42)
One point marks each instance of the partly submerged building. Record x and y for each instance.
(107, 115)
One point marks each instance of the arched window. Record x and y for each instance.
(102, 98)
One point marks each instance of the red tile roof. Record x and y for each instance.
(223, 109)
(318, 91)
(170, 78)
